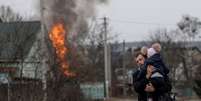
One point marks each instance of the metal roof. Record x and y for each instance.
(17, 38)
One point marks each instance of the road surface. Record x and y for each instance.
(122, 99)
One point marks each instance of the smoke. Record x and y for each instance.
(103, 1)
(73, 13)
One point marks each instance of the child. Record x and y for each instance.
(155, 59)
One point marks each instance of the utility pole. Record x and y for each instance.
(124, 69)
(8, 85)
(109, 69)
(106, 59)
(44, 50)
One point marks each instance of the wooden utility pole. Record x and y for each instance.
(43, 51)
(106, 61)
(124, 69)
(8, 85)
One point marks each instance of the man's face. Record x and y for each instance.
(140, 60)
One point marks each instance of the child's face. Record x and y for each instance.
(157, 47)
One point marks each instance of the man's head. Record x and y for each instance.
(139, 58)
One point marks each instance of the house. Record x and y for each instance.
(20, 48)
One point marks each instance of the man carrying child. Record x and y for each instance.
(151, 80)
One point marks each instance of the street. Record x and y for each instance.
(122, 99)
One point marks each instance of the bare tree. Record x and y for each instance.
(190, 29)
(92, 69)
(8, 15)
(179, 49)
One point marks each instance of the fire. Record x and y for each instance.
(57, 36)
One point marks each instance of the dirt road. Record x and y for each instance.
(122, 99)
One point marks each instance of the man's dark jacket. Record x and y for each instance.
(139, 83)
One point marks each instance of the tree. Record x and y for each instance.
(190, 28)
(92, 54)
(85, 57)
(8, 15)
(179, 50)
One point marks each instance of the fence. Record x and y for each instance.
(94, 91)
(21, 91)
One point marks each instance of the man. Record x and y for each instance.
(140, 82)
(150, 86)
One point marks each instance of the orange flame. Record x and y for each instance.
(57, 36)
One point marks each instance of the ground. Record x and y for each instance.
(122, 99)
(132, 99)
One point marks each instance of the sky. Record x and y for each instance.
(24, 7)
(131, 20)
(135, 20)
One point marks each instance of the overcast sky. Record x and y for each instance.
(24, 7)
(133, 20)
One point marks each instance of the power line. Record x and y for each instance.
(138, 22)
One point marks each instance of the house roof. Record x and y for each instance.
(16, 38)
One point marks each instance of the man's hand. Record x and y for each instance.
(149, 88)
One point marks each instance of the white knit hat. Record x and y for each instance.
(151, 52)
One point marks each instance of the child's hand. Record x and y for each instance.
(148, 75)
(150, 69)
